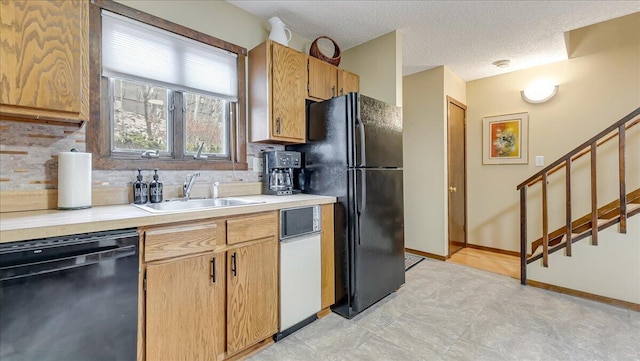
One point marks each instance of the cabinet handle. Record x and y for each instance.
(333, 91)
(234, 271)
(213, 270)
(341, 91)
(278, 125)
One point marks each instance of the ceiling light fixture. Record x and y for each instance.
(502, 63)
(539, 91)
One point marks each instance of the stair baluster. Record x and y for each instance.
(545, 223)
(569, 225)
(594, 197)
(523, 235)
(621, 173)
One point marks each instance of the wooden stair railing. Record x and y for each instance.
(589, 147)
(608, 215)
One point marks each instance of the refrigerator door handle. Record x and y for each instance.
(363, 158)
(363, 191)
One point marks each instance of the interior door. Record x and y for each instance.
(456, 155)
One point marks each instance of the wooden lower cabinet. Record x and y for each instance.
(185, 308)
(211, 287)
(252, 294)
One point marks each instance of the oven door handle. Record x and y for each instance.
(64, 263)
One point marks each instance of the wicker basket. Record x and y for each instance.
(316, 53)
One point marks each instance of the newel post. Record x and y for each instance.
(523, 235)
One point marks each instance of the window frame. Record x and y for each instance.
(99, 125)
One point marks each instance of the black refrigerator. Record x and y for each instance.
(354, 152)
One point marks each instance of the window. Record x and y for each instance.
(206, 121)
(166, 100)
(139, 117)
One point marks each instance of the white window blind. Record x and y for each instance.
(134, 50)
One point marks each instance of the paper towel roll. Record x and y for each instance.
(74, 180)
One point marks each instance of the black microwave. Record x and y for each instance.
(298, 221)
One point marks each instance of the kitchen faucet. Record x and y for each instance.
(188, 184)
(199, 152)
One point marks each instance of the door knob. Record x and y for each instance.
(452, 189)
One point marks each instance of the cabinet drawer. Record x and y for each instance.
(252, 227)
(182, 240)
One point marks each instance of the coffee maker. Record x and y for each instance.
(277, 172)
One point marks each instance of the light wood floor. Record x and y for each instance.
(499, 263)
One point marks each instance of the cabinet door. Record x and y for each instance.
(185, 309)
(347, 82)
(44, 57)
(289, 81)
(322, 79)
(252, 294)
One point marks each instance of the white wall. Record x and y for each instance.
(605, 79)
(424, 139)
(593, 94)
(378, 62)
(595, 91)
(611, 269)
(455, 87)
(425, 157)
(216, 18)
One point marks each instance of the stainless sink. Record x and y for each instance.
(180, 205)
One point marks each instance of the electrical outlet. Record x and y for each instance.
(257, 164)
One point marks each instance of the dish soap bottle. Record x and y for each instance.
(140, 190)
(155, 189)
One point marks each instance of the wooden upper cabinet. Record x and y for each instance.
(277, 91)
(252, 294)
(323, 79)
(45, 60)
(185, 309)
(347, 82)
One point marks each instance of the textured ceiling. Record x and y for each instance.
(466, 36)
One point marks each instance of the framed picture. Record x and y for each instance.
(505, 139)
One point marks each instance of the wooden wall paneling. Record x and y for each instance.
(33, 200)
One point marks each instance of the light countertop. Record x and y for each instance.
(18, 226)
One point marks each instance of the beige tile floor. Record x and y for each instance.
(446, 311)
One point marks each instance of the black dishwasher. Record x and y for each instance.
(70, 298)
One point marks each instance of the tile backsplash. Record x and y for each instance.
(29, 159)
